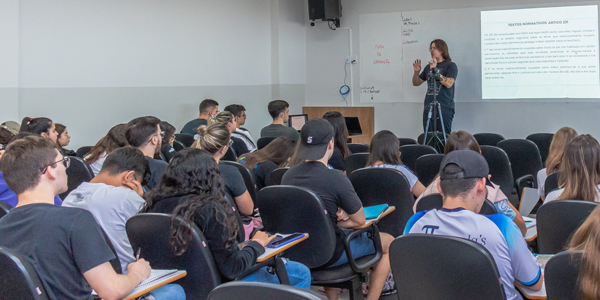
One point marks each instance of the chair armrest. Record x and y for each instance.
(525, 180)
(373, 233)
(278, 267)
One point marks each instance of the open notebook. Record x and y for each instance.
(156, 279)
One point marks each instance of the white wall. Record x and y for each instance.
(326, 50)
(9, 60)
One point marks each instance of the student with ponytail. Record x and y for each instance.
(587, 239)
(41, 126)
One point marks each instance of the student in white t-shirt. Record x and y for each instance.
(580, 171)
(559, 142)
(385, 153)
(114, 196)
(463, 176)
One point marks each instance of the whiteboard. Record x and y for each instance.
(391, 42)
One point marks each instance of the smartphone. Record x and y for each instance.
(280, 241)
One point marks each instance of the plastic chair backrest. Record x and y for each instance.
(82, 151)
(356, 161)
(410, 153)
(178, 146)
(151, 232)
(543, 141)
(558, 220)
(290, 209)
(524, 157)
(488, 139)
(427, 167)
(551, 183)
(4, 208)
(407, 141)
(263, 142)
(499, 168)
(560, 276)
(230, 155)
(277, 176)
(243, 290)
(427, 266)
(18, 278)
(246, 174)
(358, 148)
(186, 139)
(376, 186)
(78, 172)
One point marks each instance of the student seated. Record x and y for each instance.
(144, 133)
(208, 109)
(215, 139)
(66, 245)
(280, 112)
(385, 153)
(340, 138)
(168, 136)
(339, 198)
(6, 194)
(63, 139)
(193, 189)
(229, 120)
(264, 161)
(114, 139)
(463, 176)
(580, 171)
(43, 127)
(239, 112)
(557, 148)
(586, 239)
(462, 140)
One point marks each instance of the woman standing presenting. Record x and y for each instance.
(442, 69)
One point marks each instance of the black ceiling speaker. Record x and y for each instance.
(326, 10)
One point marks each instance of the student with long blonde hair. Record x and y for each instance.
(587, 239)
(559, 142)
(580, 171)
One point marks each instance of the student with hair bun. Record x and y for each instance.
(41, 126)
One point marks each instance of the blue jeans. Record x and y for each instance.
(360, 246)
(298, 273)
(167, 292)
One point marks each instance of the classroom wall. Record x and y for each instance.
(326, 51)
(93, 64)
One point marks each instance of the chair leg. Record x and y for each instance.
(356, 289)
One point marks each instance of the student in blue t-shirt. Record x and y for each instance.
(463, 177)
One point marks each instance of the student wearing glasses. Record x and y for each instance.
(239, 112)
(144, 133)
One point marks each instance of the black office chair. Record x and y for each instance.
(230, 155)
(524, 157)
(289, 209)
(427, 266)
(356, 161)
(4, 208)
(18, 278)
(376, 186)
(178, 146)
(488, 139)
(551, 183)
(410, 153)
(263, 142)
(427, 167)
(407, 141)
(499, 168)
(242, 290)
(558, 220)
(440, 135)
(543, 141)
(78, 172)
(277, 176)
(436, 201)
(358, 148)
(151, 233)
(186, 139)
(560, 276)
(82, 151)
(246, 174)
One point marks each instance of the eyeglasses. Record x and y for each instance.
(66, 161)
(162, 134)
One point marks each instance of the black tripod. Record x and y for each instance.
(434, 110)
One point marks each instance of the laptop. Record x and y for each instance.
(353, 126)
(529, 199)
(297, 121)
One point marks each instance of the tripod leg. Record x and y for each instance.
(427, 126)
(442, 122)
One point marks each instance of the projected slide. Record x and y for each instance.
(540, 53)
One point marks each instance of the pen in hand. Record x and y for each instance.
(137, 253)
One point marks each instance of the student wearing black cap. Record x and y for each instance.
(463, 178)
(342, 204)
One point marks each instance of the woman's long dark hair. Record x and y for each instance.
(194, 174)
(114, 139)
(385, 147)
(340, 131)
(35, 125)
(277, 151)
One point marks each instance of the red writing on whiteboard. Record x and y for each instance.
(378, 46)
(381, 61)
(378, 54)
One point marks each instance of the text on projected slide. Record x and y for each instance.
(540, 53)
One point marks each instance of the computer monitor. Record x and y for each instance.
(297, 121)
(353, 126)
